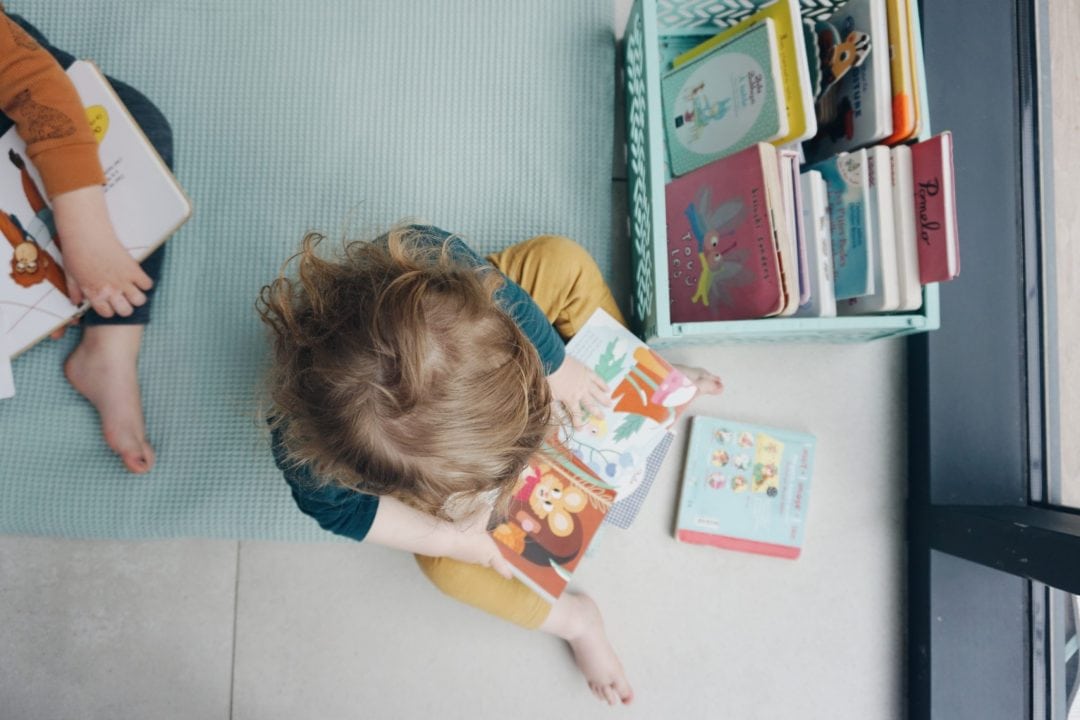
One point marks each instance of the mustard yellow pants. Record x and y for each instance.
(565, 283)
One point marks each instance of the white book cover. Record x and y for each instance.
(822, 301)
(886, 295)
(144, 201)
(857, 111)
(907, 251)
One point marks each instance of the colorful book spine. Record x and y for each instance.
(901, 70)
(935, 209)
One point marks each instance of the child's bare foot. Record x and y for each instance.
(103, 368)
(576, 619)
(707, 383)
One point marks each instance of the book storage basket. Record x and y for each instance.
(654, 31)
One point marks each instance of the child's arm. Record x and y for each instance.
(385, 520)
(399, 526)
(38, 97)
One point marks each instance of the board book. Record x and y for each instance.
(935, 209)
(563, 495)
(856, 110)
(901, 71)
(794, 73)
(145, 205)
(822, 301)
(879, 195)
(907, 250)
(726, 232)
(725, 100)
(794, 269)
(846, 180)
(745, 487)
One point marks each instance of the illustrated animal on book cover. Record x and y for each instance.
(718, 265)
(31, 263)
(837, 52)
(548, 513)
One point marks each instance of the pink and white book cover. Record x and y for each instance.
(722, 261)
(935, 209)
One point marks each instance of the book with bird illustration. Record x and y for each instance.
(725, 100)
(727, 239)
(145, 205)
(563, 495)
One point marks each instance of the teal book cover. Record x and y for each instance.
(847, 181)
(725, 100)
(745, 487)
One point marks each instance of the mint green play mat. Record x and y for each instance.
(492, 118)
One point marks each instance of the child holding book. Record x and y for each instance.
(37, 97)
(411, 383)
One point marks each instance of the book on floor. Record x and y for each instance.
(855, 105)
(794, 69)
(822, 301)
(563, 495)
(745, 487)
(145, 204)
(935, 209)
(846, 179)
(879, 195)
(726, 231)
(724, 100)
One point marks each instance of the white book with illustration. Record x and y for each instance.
(145, 204)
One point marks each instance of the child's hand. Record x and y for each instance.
(473, 544)
(98, 267)
(579, 390)
(706, 382)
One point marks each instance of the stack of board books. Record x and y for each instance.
(797, 187)
(145, 204)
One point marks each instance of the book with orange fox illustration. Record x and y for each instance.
(145, 204)
(563, 495)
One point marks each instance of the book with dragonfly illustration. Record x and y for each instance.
(562, 497)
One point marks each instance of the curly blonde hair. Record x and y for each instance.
(395, 372)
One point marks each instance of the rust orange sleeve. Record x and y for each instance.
(41, 101)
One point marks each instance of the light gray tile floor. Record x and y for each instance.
(116, 630)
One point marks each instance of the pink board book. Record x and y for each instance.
(722, 257)
(935, 209)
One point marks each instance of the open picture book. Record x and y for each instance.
(563, 495)
(145, 203)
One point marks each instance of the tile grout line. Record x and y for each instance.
(236, 618)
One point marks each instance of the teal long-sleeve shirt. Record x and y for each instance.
(350, 513)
